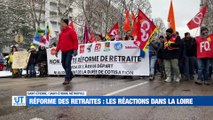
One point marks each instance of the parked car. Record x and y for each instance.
(2, 62)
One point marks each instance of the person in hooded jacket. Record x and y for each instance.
(68, 44)
(42, 61)
(32, 61)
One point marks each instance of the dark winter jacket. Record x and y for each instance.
(189, 47)
(41, 55)
(173, 51)
(181, 50)
(153, 48)
(160, 51)
(33, 57)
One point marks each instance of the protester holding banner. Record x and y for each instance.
(100, 38)
(10, 62)
(189, 56)
(171, 55)
(68, 44)
(128, 36)
(112, 37)
(204, 54)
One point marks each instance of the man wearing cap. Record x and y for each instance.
(204, 54)
(68, 44)
(171, 55)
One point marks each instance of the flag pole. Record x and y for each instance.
(197, 31)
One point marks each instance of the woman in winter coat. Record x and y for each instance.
(42, 61)
(32, 61)
(10, 62)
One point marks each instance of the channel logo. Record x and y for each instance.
(18, 100)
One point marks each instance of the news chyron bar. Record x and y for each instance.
(80, 98)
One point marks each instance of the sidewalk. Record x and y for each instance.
(4, 74)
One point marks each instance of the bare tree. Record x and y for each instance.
(64, 8)
(208, 18)
(132, 6)
(160, 25)
(36, 10)
(14, 19)
(106, 13)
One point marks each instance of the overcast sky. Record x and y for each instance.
(184, 11)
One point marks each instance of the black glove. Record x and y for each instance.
(75, 53)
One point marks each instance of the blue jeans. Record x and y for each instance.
(66, 63)
(203, 68)
(189, 67)
(32, 70)
(152, 61)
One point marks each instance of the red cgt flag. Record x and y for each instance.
(198, 19)
(113, 31)
(145, 31)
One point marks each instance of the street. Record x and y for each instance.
(99, 87)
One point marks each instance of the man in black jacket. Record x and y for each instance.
(171, 55)
(160, 57)
(189, 56)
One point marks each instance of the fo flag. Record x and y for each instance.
(198, 19)
(145, 31)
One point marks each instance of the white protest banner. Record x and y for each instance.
(20, 59)
(103, 58)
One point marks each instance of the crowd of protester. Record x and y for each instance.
(175, 59)
(37, 58)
